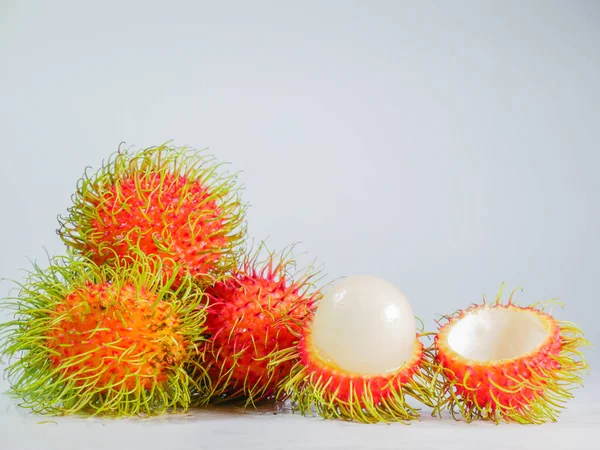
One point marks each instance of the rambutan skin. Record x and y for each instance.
(500, 384)
(256, 314)
(164, 201)
(365, 390)
(110, 340)
(531, 388)
(104, 322)
(337, 394)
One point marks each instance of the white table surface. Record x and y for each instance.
(227, 428)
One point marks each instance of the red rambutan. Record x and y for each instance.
(360, 357)
(255, 315)
(164, 201)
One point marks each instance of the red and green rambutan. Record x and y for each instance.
(103, 340)
(504, 362)
(256, 314)
(165, 201)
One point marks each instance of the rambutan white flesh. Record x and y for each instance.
(364, 325)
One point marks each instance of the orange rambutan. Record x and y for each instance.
(164, 201)
(103, 339)
(360, 357)
(256, 314)
(504, 362)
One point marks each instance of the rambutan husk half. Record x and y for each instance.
(166, 201)
(504, 362)
(256, 314)
(103, 340)
(317, 384)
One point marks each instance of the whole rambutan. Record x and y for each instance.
(504, 362)
(256, 314)
(360, 358)
(164, 201)
(108, 340)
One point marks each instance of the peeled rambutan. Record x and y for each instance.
(256, 315)
(360, 358)
(504, 362)
(110, 340)
(164, 201)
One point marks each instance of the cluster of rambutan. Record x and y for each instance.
(158, 305)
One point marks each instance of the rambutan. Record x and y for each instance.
(256, 314)
(164, 201)
(108, 340)
(360, 358)
(504, 362)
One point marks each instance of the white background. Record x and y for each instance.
(445, 146)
